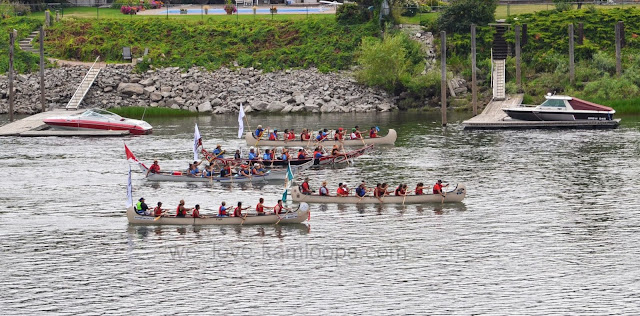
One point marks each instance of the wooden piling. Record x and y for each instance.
(47, 18)
(12, 39)
(42, 93)
(618, 51)
(525, 37)
(518, 59)
(443, 74)
(623, 41)
(474, 84)
(572, 66)
(580, 33)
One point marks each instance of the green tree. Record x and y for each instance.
(460, 14)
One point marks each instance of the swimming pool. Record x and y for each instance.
(250, 11)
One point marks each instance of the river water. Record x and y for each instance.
(549, 226)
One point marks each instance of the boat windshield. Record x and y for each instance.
(100, 113)
(554, 103)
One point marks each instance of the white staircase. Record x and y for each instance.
(84, 87)
(499, 89)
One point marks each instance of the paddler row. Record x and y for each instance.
(381, 190)
(324, 134)
(141, 208)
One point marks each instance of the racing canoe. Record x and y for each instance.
(294, 217)
(324, 160)
(456, 195)
(389, 139)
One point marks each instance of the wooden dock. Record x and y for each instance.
(33, 126)
(494, 118)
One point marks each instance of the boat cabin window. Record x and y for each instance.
(554, 103)
(100, 113)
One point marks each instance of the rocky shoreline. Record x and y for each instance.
(199, 90)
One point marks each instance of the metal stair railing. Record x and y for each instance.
(78, 96)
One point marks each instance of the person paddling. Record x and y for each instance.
(279, 207)
(222, 210)
(142, 208)
(154, 168)
(196, 212)
(258, 132)
(260, 207)
(323, 191)
(237, 212)
(419, 189)
(437, 189)
(158, 211)
(181, 211)
(306, 189)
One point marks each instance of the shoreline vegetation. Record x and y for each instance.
(329, 44)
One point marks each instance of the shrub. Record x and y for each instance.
(611, 88)
(563, 5)
(460, 14)
(410, 9)
(351, 13)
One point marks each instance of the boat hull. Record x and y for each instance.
(455, 195)
(326, 160)
(533, 115)
(73, 124)
(388, 139)
(296, 217)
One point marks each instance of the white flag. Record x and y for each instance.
(197, 142)
(240, 124)
(129, 194)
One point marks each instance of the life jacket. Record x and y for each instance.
(373, 133)
(292, 136)
(305, 136)
(237, 212)
(179, 213)
(195, 213)
(323, 191)
(305, 187)
(222, 211)
(437, 188)
(418, 191)
(301, 156)
(138, 206)
(157, 211)
(273, 136)
(258, 132)
(340, 191)
(277, 209)
(259, 208)
(272, 155)
(317, 154)
(154, 168)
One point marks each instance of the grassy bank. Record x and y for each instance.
(263, 44)
(137, 112)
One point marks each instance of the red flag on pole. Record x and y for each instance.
(130, 156)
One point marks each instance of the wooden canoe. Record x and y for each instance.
(325, 160)
(389, 139)
(294, 217)
(270, 175)
(456, 195)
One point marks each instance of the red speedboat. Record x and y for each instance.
(99, 119)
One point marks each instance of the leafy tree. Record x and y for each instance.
(460, 14)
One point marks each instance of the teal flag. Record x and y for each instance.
(287, 182)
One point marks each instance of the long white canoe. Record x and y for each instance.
(389, 139)
(294, 217)
(270, 175)
(456, 195)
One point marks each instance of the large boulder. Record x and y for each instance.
(205, 107)
(130, 89)
(275, 107)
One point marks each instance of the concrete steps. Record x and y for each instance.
(26, 44)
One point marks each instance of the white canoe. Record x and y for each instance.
(389, 139)
(455, 195)
(270, 175)
(294, 217)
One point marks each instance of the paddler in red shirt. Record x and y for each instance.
(155, 168)
(437, 189)
(237, 212)
(306, 189)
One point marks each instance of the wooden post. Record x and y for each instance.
(443, 74)
(47, 18)
(474, 84)
(42, 93)
(618, 51)
(524, 35)
(580, 33)
(518, 59)
(623, 41)
(12, 38)
(572, 66)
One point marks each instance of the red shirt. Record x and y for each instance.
(301, 155)
(195, 213)
(373, 133)
(305, 187)
(273, 136)
(419, 191)
(259, 208)
(400, 191)
(237, 212)
(291, 136)
(437, 188)
(154, 168)
(341, 191)
(157, 211)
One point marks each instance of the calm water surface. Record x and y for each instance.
(549, 226)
